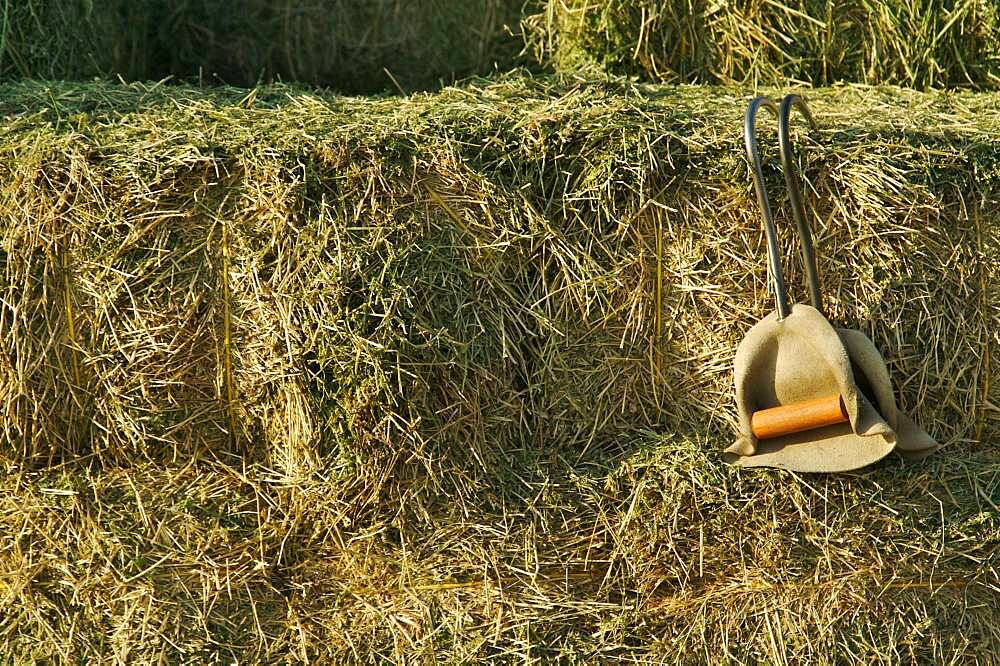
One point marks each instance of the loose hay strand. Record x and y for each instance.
(227, 325)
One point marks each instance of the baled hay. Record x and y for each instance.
(428, 274)
(202, 282)
(379, 296)
(77, 40)
(422, 338)
(660, 555)
(354, 46)
(113, 290)
(928, 43)
(653, 264)
(136, 565)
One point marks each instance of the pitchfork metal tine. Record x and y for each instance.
(795, 194)
(771, 234)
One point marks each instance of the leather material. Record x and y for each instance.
(803, 357)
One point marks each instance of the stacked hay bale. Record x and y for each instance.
(245, 290)
(411, 369)
(78, 39)
(354, 47)
(916, 44)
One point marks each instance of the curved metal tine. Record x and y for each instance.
(795, 194)
(753, 155)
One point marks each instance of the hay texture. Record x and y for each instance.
(927, 43)
(448, 376)
(77, 39)
(353, 46)
(350, 45)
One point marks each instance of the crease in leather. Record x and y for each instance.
(803, 357)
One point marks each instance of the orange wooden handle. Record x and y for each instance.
(798, 417)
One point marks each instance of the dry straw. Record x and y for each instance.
(447, 376)
(914, 43)
(392, 45)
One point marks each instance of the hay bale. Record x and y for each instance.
(458, 366)
(144, 551)
(123, 264)
(593, 275)
(649, 557)
(935, 44)
(654, 268)
(215, 296)
(78, 39)
(350, 45)
(354, 47)
(384, 287)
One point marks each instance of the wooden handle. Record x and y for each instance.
(798, 417)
